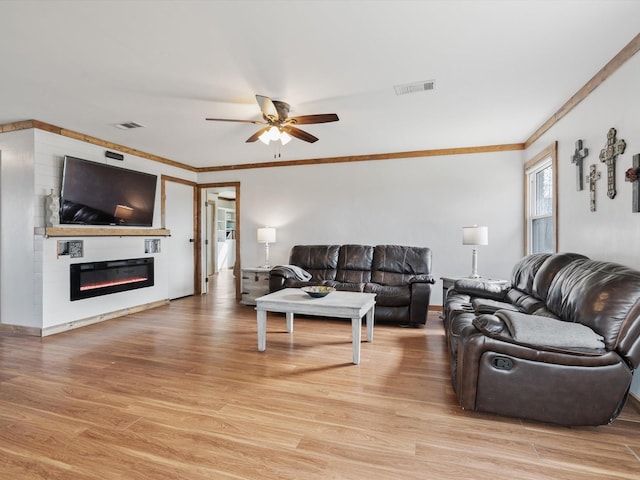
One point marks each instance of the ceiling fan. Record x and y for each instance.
(278, 124)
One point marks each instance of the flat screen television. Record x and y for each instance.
(99, 194)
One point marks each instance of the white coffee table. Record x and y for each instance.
(290, 301)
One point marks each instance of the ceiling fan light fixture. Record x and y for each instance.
(274, 134)
(285, 138)
(265, 138)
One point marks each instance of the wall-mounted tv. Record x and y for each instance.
(99, 194)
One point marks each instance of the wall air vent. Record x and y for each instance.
(129, 125)
(415, 87)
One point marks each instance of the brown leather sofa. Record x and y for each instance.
(400, 276)
(559, 344)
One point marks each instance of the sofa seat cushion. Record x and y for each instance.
(487, 305)
(545, 331)
(345, 286)
(390, 295)
(295, 283)
(529, 304)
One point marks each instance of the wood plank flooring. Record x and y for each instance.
(181, 392)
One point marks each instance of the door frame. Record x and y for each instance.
(237, 269)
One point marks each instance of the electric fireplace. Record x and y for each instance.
(94, 279)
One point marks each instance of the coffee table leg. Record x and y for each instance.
(262, 330)
(370, 316)
(356, 338)
(289, 316)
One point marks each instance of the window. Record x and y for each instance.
(541, 203)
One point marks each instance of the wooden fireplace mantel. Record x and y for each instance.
(103, 232)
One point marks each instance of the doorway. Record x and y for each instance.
(221, 245)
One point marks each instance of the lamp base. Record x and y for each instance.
(266, 255)
(474, 263)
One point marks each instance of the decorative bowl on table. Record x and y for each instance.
(318, 292)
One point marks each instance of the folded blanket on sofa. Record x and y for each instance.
(545, 331)
(294, 270)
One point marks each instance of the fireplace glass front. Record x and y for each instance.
(93, 279)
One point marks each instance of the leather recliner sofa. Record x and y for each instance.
(559, 344)
(400, 276)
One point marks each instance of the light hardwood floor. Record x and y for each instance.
(181, 392)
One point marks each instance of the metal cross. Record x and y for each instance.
(592, 178)
(608, 155)
(577, 158)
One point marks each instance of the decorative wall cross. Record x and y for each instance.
(592, 178)
(608, 155)
(632, 175)
(577, 158)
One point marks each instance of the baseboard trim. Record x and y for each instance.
(634, 399)
(19, 330)
(45, 332)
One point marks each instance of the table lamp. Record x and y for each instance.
(266, 235)
(475, 236)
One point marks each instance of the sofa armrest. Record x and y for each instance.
(475, 288)
(424, 278)
(419, 307)
(277, 278)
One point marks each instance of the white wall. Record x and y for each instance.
(612, 232)
(38, 296)
(20, 294)
(416, 201)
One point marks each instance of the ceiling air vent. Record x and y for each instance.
(415, 87)
(129, 125)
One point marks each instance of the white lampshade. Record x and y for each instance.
(274, 134)
(123, 212)
(285, 138)
(475, 235)
(266, 235)
(264, 138)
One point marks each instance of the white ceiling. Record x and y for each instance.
(501, 68)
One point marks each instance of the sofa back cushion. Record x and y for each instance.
(603, 296)
(524, 272)
(321, 261)
(354, 264)
(398, 265)
(548, 270)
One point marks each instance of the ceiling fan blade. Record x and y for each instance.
(299, 134)
(259, 122)
(283, 110)
(308, 119)
(256, 135)
(267, 107)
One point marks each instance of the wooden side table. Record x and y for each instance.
(255, 283)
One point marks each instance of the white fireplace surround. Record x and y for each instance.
(35, 278)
